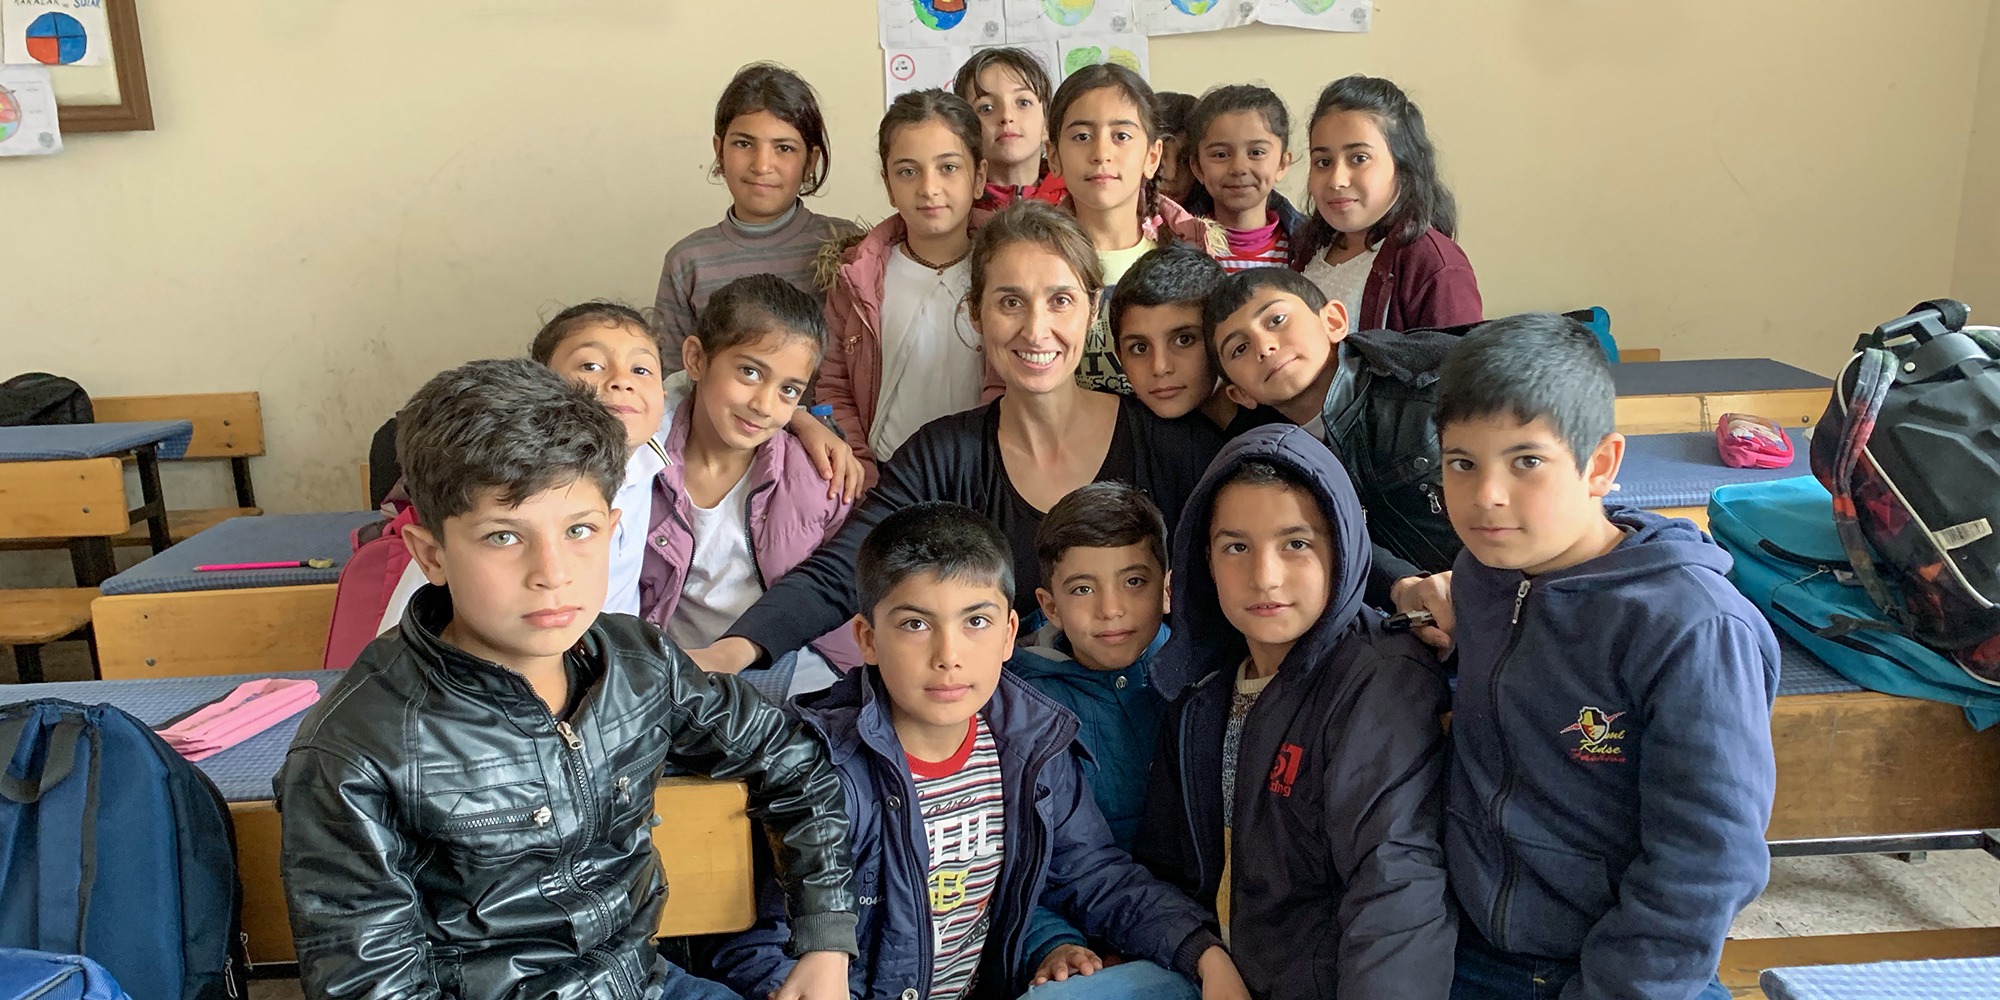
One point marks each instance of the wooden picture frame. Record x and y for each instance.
(131, 109)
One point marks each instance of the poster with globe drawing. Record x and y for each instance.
(1175, 17)
(1061, 19)
(1128, 51)
(1319, 15)
(914, 24)
(27, 112)
(921, 69)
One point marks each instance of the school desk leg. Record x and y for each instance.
(154, 509)
(28, 664)
(92, 561)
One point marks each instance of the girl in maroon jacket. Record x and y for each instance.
(1380, 240)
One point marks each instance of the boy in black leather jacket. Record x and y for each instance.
(466, 812)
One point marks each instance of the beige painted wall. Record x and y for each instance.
(1976, 277)
(344, 197)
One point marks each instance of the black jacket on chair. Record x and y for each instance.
(446, 836)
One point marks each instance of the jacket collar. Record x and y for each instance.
(766, 466)
(853, 715)
(423, 624)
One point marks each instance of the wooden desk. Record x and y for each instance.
(1668, 397)
(67, 482)
(1863, 764)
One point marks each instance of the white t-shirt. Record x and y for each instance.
(931, 366)
(1345, 282)
(628, 541)
(721, 579)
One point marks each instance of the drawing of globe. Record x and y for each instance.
(1314, 6)
(1068, 13)
(10, 114)
(929, 14)
(1194, 7)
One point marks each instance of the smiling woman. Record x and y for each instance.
(1035, 278)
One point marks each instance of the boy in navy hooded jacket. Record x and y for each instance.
(1612, 772)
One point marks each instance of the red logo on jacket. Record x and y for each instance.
(1285, 769)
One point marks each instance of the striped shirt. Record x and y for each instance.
(1277, 253)
(708, 259)
(964, 819)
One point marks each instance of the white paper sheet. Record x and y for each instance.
(1174, 17)
(904, 70)
(1319, 15)
(925, 24)
(1126, 50)
(54, 32)
(27, 112)
(1060, 19)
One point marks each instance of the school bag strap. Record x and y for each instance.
(1873, 377)
(66, 818)
(60, 758)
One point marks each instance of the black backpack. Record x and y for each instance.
(1910, 449)
(42, 398)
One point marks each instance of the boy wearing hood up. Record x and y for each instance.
(1297, 786)
(1612, 729)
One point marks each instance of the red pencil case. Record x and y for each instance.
(1751, 442)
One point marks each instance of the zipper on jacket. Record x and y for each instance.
(750, 530)
(1430, 493)
(574, 764)
(1033, 838)
(1194, 835)
(1508, 778)
(913, 801)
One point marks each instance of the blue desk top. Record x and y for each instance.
(57, 442)
(1680, 470)
(243, 772)
(1681, 378)
(270, 538)
(1934, 979)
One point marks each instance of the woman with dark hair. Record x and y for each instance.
(1380, 239)
(1034, 288)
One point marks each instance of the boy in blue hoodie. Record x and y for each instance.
(1103, 553)
(1611, 729)
(966, 799)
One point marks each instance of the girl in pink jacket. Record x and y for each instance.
(738, 502)
(901, 349)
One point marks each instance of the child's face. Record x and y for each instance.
(1271, 552)
(1515, 494)
(1239, 160)
(1353, 177)
(746, 394)
(932, 179)
(1010, 117)
(1108, 602)
(1105, 151)
(1161, 350)
(621, 362)
(526, 581)
(1273, 349)
(1033, 318)
(1175, 176)
(763, 163)
(939, 645)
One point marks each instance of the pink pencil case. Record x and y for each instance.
(1749, 442)
(250, 709)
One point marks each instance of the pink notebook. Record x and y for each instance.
(250, 709)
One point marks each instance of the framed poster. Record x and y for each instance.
(110, 96)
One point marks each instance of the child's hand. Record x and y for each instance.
(1427, 593)
(1065, 961)
(1219, 978)
(731, 654)
(818, 975)
(845, 477)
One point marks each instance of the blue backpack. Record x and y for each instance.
(114, 847)
(38, 975)
(1791, 564)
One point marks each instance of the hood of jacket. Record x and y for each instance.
(1203, 639)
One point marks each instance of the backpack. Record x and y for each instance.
(113, 847)
(42, 976)
(1789, 561)
(42, 398)
(366, 583)
(1910, 449)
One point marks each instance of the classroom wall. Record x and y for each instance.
(1976, 277)
(344, 197)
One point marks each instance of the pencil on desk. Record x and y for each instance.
(295, 564)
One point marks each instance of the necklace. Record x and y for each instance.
(939, 268)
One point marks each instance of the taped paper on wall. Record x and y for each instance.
(28, 112)
(54, 32)
(922, 24)
(1319, 15)
(905, 70)
(1128, 51)
(1060, 19)
(1174, 17)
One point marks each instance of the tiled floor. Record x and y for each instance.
(1865, 893)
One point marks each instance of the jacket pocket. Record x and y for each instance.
(1559, 895)
(501, 834)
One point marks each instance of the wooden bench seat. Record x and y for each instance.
(30, 619)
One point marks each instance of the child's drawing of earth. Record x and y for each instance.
(1068, 13)
(1091, 55)
(10, 114)
(1314, 6)
(940, 15)
(1194, 7)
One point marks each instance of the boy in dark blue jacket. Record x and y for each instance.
(1298, 783)
(1103, 553)
(1612, 770)
(966, 799)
